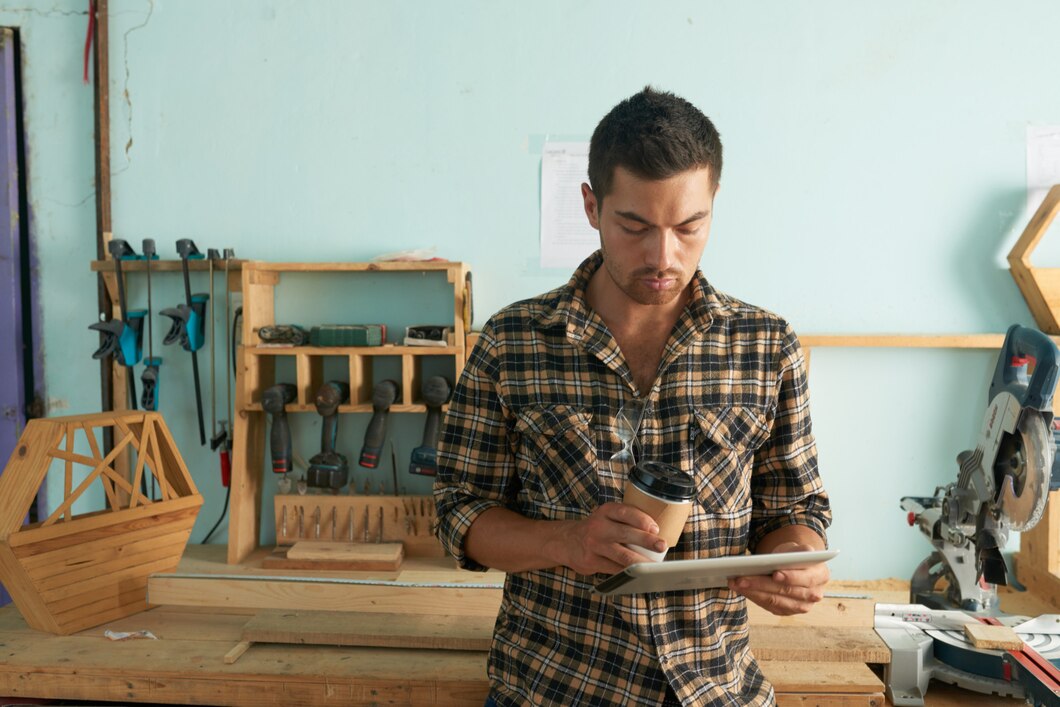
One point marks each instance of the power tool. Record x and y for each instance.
(274, 400)
(384, 394)
(329, 470)
(1002, 485)
(436, 393)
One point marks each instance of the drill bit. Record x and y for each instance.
(301, 522)
(351, 524)
(333, 522)
(283, 520)
(366, 523)
(316, 520)
(380, 538)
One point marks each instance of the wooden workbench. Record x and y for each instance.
(810, 664)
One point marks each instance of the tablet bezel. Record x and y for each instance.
(681, 575)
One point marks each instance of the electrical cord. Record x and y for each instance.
(236, 318)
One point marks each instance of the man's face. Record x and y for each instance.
(653, 232)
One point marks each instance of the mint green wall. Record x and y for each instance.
(874, 179)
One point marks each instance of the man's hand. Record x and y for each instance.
(597, 543)
(789, 591)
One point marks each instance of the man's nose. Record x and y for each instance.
(663, 250)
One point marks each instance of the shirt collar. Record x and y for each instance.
(571, 308)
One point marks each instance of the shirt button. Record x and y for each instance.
(658, 595)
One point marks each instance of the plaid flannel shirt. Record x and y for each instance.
(531, 427)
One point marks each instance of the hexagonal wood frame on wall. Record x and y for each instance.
(1040, 286)
(68, 573)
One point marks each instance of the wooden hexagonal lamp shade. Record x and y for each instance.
(1040, 286)
(71, 572)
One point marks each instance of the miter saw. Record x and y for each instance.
(1001, 485)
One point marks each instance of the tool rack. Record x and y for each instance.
(256, 364)
(120, 391)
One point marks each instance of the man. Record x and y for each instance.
(525, 481)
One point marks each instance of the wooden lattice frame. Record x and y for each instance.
(54, 439)
(69, 572)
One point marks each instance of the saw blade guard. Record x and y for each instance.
(1024, 461)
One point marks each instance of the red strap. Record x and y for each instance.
(88, 35)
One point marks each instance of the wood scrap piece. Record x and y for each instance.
(822, 677)
(382, 630)
(994, 637)
(838, 644)
(328, 555)
(239, 649)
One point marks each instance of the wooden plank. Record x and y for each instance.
(825, 699)
(164, 265)
(994, 637)
(286, 593)
(19, 585)
(1040, 546)
(352, 552)
(130, 590)
(1035, 229)
(829, 612)
(102, 523)
(141, 460)
(327, 555)
(833, 644)
(234, 654)
(382, 630)
(933, 341)
(161, 564)
(25, 470)
(1043, 584)
(169, 464)
(68, 478)
(810, 677)
(108, 559)
(58, 562)
(390, 266)
(245, 485)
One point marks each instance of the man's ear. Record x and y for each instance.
(592, 210)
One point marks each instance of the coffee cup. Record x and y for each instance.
(665, 493)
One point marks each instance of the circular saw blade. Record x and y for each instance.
(1022, 469)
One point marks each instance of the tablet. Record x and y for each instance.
(678, 575)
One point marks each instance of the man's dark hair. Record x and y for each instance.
(655, 135)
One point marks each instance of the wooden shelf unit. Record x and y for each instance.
(256, 371)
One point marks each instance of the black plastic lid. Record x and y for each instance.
(662, 480)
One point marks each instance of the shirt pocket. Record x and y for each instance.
(556, 459)
(723, 441)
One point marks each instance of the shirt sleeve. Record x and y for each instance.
(475, 470)
(786, 486)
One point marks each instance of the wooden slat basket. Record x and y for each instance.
(71, 572)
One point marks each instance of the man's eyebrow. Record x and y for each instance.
(640, 219)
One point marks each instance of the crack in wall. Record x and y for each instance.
(125, 88)
(44, 13)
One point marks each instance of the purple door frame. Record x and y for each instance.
(19, 360)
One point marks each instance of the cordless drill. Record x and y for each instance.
(274, 401)
(329, 469)
(436, 392)
(384, 395)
